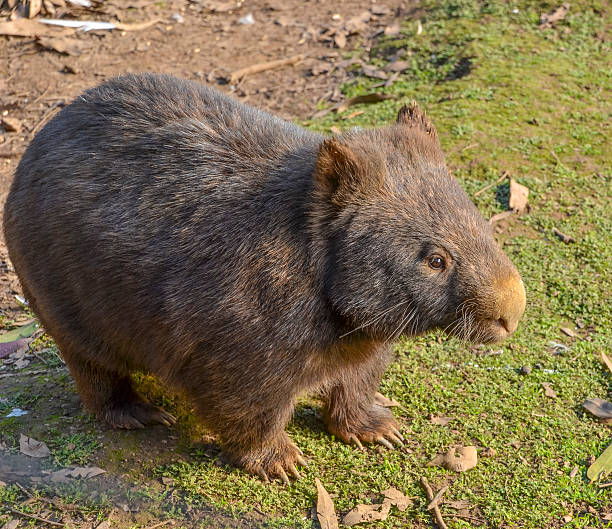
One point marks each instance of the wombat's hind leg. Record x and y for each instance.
(112, 398)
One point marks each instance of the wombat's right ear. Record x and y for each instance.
(336, 174)
(412, 116)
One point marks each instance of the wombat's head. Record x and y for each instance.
(408, 251)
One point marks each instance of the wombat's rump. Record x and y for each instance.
(158, 225)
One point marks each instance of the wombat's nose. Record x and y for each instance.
(511, 302)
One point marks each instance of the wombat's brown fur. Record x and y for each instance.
(158, 225)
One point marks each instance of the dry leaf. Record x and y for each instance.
(600, 408)
(548, 390)
(11, 524)
(547, 20)
(367, 98)
(11, 124)
(458, 458)
(574, 471)
(397, 66)
(395, 497)
(367, 513)
(601, 466)
(607, 361)
(358, 23)
(373, 72)
(441, 421)
(326, 514)
(567, 331)
(518, 196)
(32, 447)
(383, 401)
(63, 45)
(340, 39)
(67, 474)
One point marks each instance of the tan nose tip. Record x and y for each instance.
(511, 302)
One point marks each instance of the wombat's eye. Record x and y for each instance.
(436, 262)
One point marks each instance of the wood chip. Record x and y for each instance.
(397, 498)
(11, 124)
(518, 196)
(237, 75)
(326, 514)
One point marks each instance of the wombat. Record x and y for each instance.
(157, 225)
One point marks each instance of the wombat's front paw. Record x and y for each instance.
(133, 414)
(376, 425)
(275, 460)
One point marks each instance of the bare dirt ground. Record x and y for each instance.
(197, 40)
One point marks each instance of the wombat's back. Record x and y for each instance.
(148, 199)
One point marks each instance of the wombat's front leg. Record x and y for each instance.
(351, 412)
(254, 438)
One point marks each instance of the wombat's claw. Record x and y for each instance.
(353, 439)
(280, 472)
(136, 415)
(384, 442)
(398, 434)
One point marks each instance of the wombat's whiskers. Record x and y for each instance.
(376, 318)
(403, 323)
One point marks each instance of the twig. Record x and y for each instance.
(264, 66)
(160, 524)
(24, 490)
(471, 146)
(45, 117)
(605, 485)
(489, 186)
(32, 517)
(430, 497)
(565, 238)
(436, 500)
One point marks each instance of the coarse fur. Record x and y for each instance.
(158, 225)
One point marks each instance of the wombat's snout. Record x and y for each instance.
(509, 306)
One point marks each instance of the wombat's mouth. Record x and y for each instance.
(485, 330)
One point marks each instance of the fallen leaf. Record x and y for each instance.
(518, 196)
(62, 45)
(567, 518)
(11, 524)
(601, 466)
(326, 514)
(21, 332)
(32, 447)
(567, 239)
(600, 408)
(397, 498)
(547, 20)
(397, 66)
(358, 23)
(458, 458)
(67, 474)
(441, 421)
(607, 361)
(374, 97)
(548, 390)
(367, 513)
(567, 331)
(488, 452)
(383, 401)
(373, 72)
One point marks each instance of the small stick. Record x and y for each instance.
(24, 490)
(488, 186)
(32, 517)
(434, 503)
(264, 66)
(430, 497)
(46, 115)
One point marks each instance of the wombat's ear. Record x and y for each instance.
(337, 171)
(412, 116)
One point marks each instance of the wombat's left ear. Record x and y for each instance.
(412, 116)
